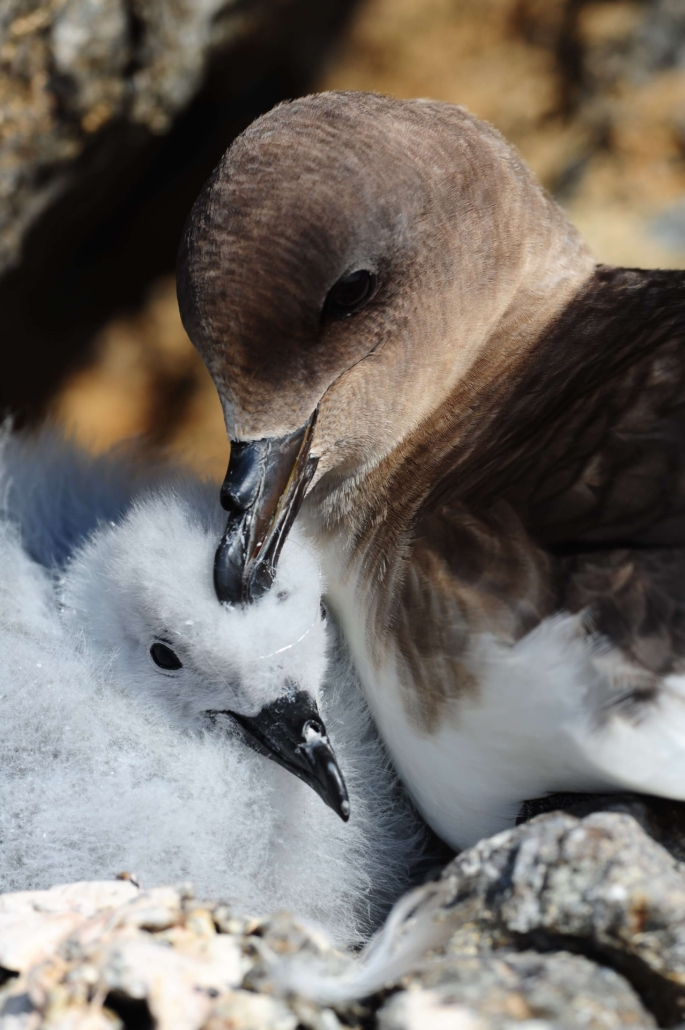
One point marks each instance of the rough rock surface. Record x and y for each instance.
(562, 922)
(103, 955)
(512, 988)
(561, 887)
(69, 68)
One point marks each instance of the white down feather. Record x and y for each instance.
(106, 763)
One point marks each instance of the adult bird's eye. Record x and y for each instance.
(164, 657)
(349, 294)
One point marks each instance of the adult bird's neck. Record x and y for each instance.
(533, 434)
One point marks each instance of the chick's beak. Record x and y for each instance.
(290, 731)
(264, 487)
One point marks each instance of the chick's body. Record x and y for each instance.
(109, 762)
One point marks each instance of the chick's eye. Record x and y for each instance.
(324, 610)
(164, 657)
(349, 294)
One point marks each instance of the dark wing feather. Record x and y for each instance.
(567, 491)
(597, 424)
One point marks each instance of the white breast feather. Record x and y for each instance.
(546, 717)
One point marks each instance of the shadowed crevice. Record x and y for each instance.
(133, 1012)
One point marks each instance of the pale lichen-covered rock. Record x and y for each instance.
(32, 923)
(419, 1009)
(75, 956)
(560, 923)
(70, 68)
(598, 886)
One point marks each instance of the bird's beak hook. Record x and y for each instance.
(290, 731)
(264, 487)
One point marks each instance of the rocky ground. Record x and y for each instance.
(562, 922)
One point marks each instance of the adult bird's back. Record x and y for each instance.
(489, 430)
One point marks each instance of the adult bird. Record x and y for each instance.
(489, 430)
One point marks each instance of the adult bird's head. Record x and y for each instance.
(366, 259)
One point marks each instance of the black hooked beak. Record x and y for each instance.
(264, 487)
(290, 731)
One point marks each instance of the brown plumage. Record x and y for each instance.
(500, 431)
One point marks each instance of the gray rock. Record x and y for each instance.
(501, 989)
(661, 818)
(597, 886)
(69, 68)
(563, 922)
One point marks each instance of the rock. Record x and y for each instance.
(416, 1010)
(112, 115)
(70, 69)
(563, 922)
(598, 886)
(661, 818)
(96, 956)
(32, 923)
(505, 988)
(241, 1010)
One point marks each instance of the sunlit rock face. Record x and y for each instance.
(563, 922)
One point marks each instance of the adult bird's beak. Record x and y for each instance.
(290, 731)
(262, 493)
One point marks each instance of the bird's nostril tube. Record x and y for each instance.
(313, 728)
(241, 484)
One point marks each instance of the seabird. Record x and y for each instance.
(121, 682)
(85, 492)
(489, 428)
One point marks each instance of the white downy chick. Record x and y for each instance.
(110, 762)
(147, 580)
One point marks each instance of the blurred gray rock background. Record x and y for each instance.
(112, 114)
(566, 923)
(73, 68)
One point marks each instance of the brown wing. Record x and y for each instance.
(566, 491)
(635, 598)
(596, 460)
(592, 443)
